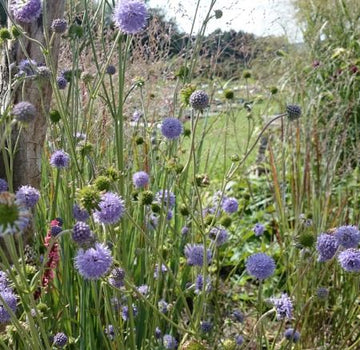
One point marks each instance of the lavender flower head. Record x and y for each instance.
(239, 340)
(195, 254)
(158, 333)
(61, 83)
(94, 262)
(117, 278)
(199, 284)
(163, 306)
(27, 67)
(326, 246)
(24, 112)
(206, 326)
(292, 334)
(169, 342)
(111, 70)
(322, 293)
(259, 229)
(81, 233)
(144, 289)
(110, 332)
(130, 16)
(59, 25)
(158, 272)
(199, 100)
(167, 197)
(140, 179)
(184, 230)
(218, 235)
(238, 316)
(230, 205)
(60, 339)
(260, 265)
(10, 299)
(284, 306)
(171, 128)
(111, 210)
(59, 159)
(125, 312)
(350, 260)
(3, 185)
(80, 214)
(347, 236)
(25, 11)
(27, 196)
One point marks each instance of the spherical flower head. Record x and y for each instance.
(184, 230)
(347, 236)
(293, 112)
(169, 342)
(14, 217)
(117, 278)
(238, 316)
(28, 196)
(81, 232)
(283, 306)
(59, 25)
(322, 293)
(171, 128)
(260, 265)
(158, 333)
(199, 100)
(218, 14)
(93, 263)
(144, 289)
(110, 332)
(125, 312)
(259, 229)
(162, 270)
(230, 205)
(27, 67)
(292, 335)
(111, 209)
(111, 70)
(80, 214)
(219, 235)
(166, 197)
(199, 284)
(3, 185)
(195, 254)
(326, 246)
(61, 82)
(55, 230)
(10, 300)
(60, 159)
(239, 340)
(130, 16)
(350, 260)
(140, 179)
(163, 306)
(25, 11)
(206, 326)
(24, 112)
(60, 339)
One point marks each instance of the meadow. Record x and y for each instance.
(151, 200)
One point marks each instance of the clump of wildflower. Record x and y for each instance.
(163, 306)
(169, 342)
(61, 82)
(195, 254)
(28, 196)
(24, 112)
(80, 214)
(81, 232)
(59, 25)
(110, 332)
(259, 229)
(166, 197)
(3, 185)
(326, 246)
(260, 265)
(230, 205)
(14, 218)
(111, 209)
(347, 236)
(284, 306)
(130, 16)
(25, 11)
(293, 112)
(9, 298)
(93, 263)
(60, 159)
(199, 100)
(171, 128)
(140, 179)
(111, 70)
(199, 284)
(350, 260)
(117, 278)
(292, 335)
(60, 339)
(125, 312)
(218, 235)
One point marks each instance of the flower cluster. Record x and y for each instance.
(284, 306)
(111, 209)
(25, 11)
(8, 297)
(260, 265)
(130, 16)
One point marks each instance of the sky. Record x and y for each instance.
(261, 17)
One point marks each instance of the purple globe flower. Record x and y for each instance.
(25, 11)
(166, 197)
(117, 278)
(292, 334)
(184, 230)
(24, 112)
(283, 306)
(111, 70)
(27, 196)
(61, 82)
(169, 342)
(169, 215)
(230, 205)
(59, 159)
(195, 254)
(10, 300)
(158, 333)
(350, 260)
(94, 262)
(140, 179)
(239, 340)
(81, 233)
(130, 16)
(110, 332)
(3, 185)
(55, 230)
(125, 312)
(163, 306)
(218, 235)
(199, 100)
(326, 246)
(59, 25)
(144, 289)
(162, 270)
(60, 339)
(206, 326)
(199, 284)
(259, 229)
(112, 209)
(238, 316)
(347, 236)
(322, 293)
(27, 67)
(171, 128)
(260, 265)
(80, 214)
